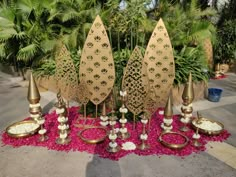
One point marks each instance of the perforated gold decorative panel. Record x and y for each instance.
(83, 92)
(97, 65)
(135, 82)
(160, 63)
(65, 74)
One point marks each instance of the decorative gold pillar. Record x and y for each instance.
(187, 109)
(168, 113)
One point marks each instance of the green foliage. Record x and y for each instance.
(190, 59)
(225, 49)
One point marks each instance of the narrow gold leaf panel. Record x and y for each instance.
(65, 74)
(160, 63)
(97, 66)
(135, 82)
(83, 92)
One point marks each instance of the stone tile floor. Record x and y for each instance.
(219, 160)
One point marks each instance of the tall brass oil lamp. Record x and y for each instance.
(168, 113)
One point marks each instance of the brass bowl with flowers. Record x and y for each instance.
(207, 126)
(23, 129)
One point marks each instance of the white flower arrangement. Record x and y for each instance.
(123, 110)
(187, 107)
(60, 110)
(42, 131)
(196, 136)
(34, 115)
(123, 130)
(208, 125)
(63, 136)
(123, 93)
(62, 127)
(123, 121)
(165, 127)
(185, 120)
(34, 105)
(23, 128)
(112, 136)
(67, 126)
(113, 145)
(41, 121)
(112, 122)
(161, 112)
(117, 130)
(128, 146)
(105, 123)
(143, 136)
(104, 118)
(167, 121)
(61, 119)
(144, 121)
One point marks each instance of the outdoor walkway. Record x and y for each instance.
(218, 161)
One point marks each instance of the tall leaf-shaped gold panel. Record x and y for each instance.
(160, 63)
(83, 93)
(97, 65)
(135, 82)
(65, 74)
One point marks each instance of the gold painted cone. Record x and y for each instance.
(188, 93)
(168, 111)
(33, 92)
(104, 109)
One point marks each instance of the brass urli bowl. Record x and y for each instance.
(207, 132)
(22, 135)
(172, 145)
(92, 141)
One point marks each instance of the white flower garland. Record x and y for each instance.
(123, 121)
(188, 106)
(117, 130)
(123, 110)
(185, 120)
(41, 121)
(63, 136)
(113, 145)
(34, 115)
(62, 127)
(128, 146)
(112, 122)
(143, 136)
(42, 131)
(123, 93)
(60, 110)
(165, 127)
(34, 105)
(61, 119)
(112, 136)
(144, 121)
(161, 112)
(123, 130)
(104, 123)
(104, 118)
(167, 121)
(196, 136)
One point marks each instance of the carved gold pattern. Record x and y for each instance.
(135, 82)
(160, 63)
(65, 74)
(83, 93)
(97, 65)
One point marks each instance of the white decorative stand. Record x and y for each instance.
(42, 130)
(143, 135)
(63, 126)
(186, 116)
(124, 134)
(104, 118)
(113, 146)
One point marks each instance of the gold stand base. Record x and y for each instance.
(184, 129)
(196, 143)
(43, 138)
(113, 149)
(124, 136)
(143, 146)
(63, 141)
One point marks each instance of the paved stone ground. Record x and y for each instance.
(40, 162)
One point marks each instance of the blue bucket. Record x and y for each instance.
(214, 94)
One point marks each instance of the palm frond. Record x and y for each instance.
(7, 34)
(27, 53)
